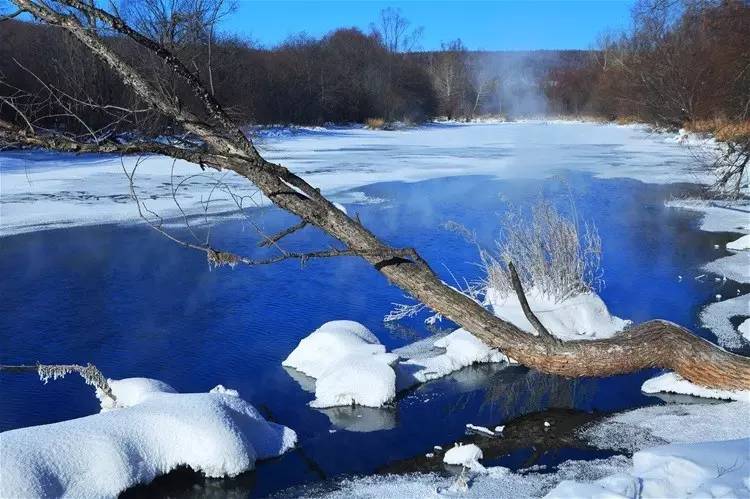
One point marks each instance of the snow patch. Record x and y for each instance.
(715, 317)
(674, 383)
(740, 244)
(583, 316)
(460, 349)
(349, 364)
(155, 431)
(464, 455)
(707, 469)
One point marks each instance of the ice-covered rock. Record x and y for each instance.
(464, 455)
(329, 344)
(349, 365)
(367, 380)
(155, 431)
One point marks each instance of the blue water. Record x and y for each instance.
(135, 304)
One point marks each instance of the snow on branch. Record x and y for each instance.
(90, 374)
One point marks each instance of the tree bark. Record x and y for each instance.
(652, 344)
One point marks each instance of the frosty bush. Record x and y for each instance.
(549, 250)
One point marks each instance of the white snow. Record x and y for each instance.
(41, 190)
(480, 429)
(708, 469)
(735, 267)
(674, 383)
(744, 329)
(740, 244)
(715, 316)
(367, 380)
(218, 434)
(464, 455)
(706, 456)
(325, 347)
(583, 316)
(672, 423)
(349, 363)
(132, 391)
(351, 366)
(460, 349)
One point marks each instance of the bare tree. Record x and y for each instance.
(393, 30)
(221, 144)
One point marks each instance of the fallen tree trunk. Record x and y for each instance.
(652, 344)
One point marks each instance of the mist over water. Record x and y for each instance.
(518, 76)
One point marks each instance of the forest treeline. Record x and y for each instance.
(681, 62)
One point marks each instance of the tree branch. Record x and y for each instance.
(90, 374)
(532, 318)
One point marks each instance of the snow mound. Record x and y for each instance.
(101, 455)
(367, 380)
(706, 469)
(464, 455)
(349, 365)
(329, 344)
(131, 391)
(674, 383)
(740, 244)
(583, 316)
(459, 349)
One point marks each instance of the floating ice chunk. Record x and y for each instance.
(154, 431)
(674, 383)
(480, 429)
(465, 455)
(740, 244)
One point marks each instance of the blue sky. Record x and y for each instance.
(489, 25)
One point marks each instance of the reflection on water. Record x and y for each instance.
(136, 304)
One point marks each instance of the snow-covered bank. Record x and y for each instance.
(41, 190)
(152, 431)
(725, 216)
(679, 450)
(710, 469)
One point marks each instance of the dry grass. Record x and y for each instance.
(723, 130)
(628, 120)
(375, 123)
(549, 250)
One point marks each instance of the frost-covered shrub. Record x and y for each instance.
(549, 250)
